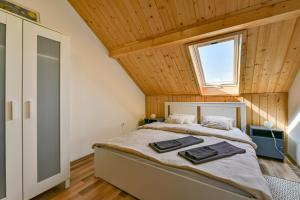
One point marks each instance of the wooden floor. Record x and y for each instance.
(285, 170)
(84, 186)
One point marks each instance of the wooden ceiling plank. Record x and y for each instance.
(165, 13)
(160, 72)
(199, 11)
(117, 20)
(149, 73)
(195, 87)
(175, 62)
(132, 24)
(183, 70)
(220, 7)
(210, 8)
(180, 77)
(267, 14)
(91, 21)
(252, 38)
(171, 84)
(148, 82)
(243, 59)
(152, 16)
(263, 35)
(189, 15)
(135, 72)
(135, 10)
(270, 52)
(291, 62)
(103, 17)
(285, 34)
(168, 69)
(173, 8)
(231, 6)
(131, 74)
(294, 69)
(172, 71)
(254, 2)
(243, 4)
(180, 13)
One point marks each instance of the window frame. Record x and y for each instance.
(194, 53)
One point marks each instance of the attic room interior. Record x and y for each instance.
(149, 99)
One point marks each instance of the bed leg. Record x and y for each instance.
(67, 183)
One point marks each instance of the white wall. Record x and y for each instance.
(294, 120)
(102, 94)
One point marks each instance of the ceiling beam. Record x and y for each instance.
(229, 23)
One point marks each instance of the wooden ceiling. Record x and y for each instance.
(146, 31)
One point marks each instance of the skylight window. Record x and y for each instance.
(217, 61)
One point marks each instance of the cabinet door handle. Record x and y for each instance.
(28, 109)
(11, 112)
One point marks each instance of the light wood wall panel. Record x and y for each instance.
(260, 107)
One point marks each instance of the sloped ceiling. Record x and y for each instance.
(272, 51)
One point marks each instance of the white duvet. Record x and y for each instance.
(241, 171)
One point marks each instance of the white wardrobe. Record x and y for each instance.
(34, 108)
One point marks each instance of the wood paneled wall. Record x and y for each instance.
(260, 107)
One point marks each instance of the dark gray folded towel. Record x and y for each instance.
(170, 145)
(201, 153)
(167, 144)
(224, 149)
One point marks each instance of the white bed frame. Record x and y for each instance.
(148, 181)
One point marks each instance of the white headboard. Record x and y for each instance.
(234, 110)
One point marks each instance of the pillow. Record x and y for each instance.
(218, 122)
(174, 119)
(181, 119)
(188, 119)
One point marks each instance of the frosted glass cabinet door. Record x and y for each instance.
(48, 108)
(10, 105)
(45, 108)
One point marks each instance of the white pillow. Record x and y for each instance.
(174, 119)
(180, 119)
(218, 122)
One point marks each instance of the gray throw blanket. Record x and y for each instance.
(211, 152)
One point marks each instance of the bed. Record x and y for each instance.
(129, 164)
